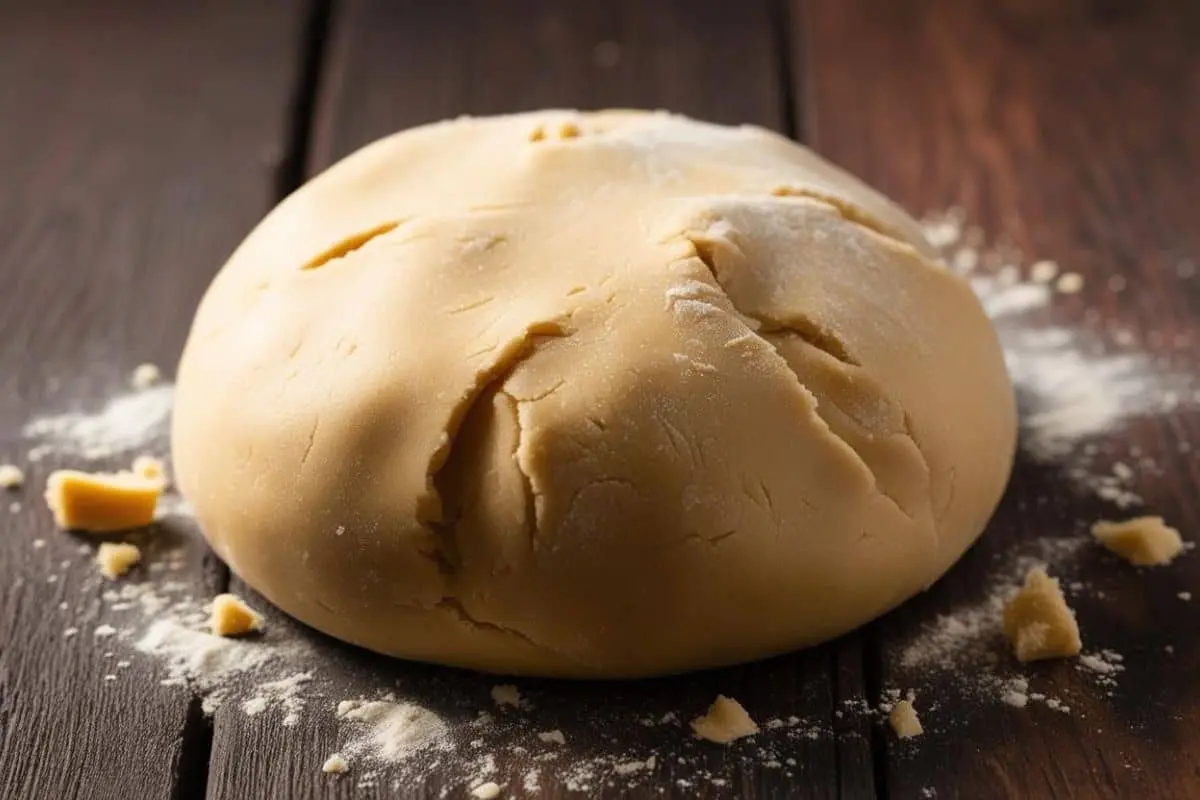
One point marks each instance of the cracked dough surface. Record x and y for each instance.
(608, 394)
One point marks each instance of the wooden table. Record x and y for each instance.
(140, 141)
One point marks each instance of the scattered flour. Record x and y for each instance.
(390, 730)
(1072, 389)
(531, 782)
(126, 423)
(284, 693)
(1103, 666)
(204, 662)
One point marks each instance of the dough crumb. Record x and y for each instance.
(11, 477)
(725, 721)
(335, 765)
(1043, 271)
(506, 695)
(152, 469)
(552, 737)
(101, 502)
(1038, 622)
(1069, 283)
(904, 720)
(486, 791)
(115, 559)
(1142, 541)
(145, 375)
(232, 617)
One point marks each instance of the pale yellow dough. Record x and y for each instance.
(725, 722)
(608, 394)
(1142, 541)
(904, 720)
(1038, 622)
(117, 558)
(232, 617)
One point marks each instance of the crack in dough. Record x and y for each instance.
(824, 341)
(455, 608)
(444, 510)
(351, 243)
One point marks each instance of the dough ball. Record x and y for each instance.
(608, 394)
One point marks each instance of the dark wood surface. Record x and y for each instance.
(138, 146)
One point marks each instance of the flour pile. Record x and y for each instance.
(127, 423)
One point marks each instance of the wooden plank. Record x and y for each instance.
(1074, 129)
(397, 64)
(136, 150)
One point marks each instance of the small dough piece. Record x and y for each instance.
(145, 376)
(553, 737)
(101, 502)
(486, 791)
(725, 722)
(1142, 541)
(117, 558)
(904, 720)
(232, 617)
(1038, 622)
(580, 394)
(335, 765)
(506, 694)
(11, 477)
(152, 469)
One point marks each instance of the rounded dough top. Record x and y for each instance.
(605, 394)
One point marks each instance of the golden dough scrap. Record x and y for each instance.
(904, 720)
(1038, 622)
(117, 558)
(1142, 541)
(232, 617)
(101, 502)
(725, 722)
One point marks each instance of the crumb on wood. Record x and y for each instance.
(11, 477)
(152, 469)
(232, 617)
(506, 695)
(1038, 622)
(117, 558)
(145, 375)
(101, 502)
(904, 720)
(486, 791)
(1142, 541)
(725, 722)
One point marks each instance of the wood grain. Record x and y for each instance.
(137, 148)
(398, 64)
(1073, 128)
